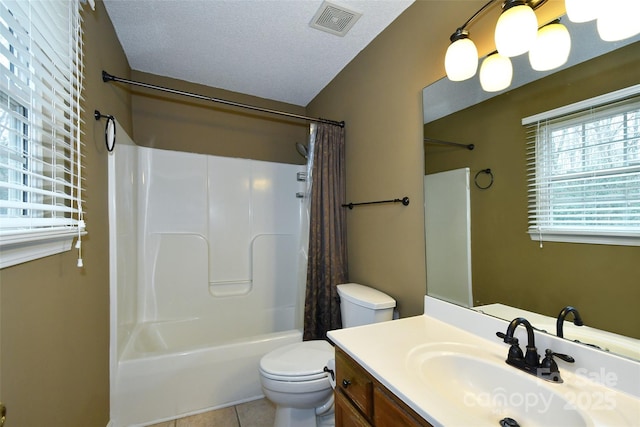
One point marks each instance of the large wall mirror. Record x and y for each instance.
(509, 270)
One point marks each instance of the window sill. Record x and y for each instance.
(595, 238)
(18, 249)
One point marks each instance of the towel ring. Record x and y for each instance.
(488, 172)
(109, 129)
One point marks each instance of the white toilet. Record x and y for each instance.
(295, 378)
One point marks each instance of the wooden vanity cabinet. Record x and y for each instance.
(362, 401)
(346, 414)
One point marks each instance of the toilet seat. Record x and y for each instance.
(304, 361)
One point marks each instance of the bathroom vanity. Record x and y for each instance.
(362, 401)
(447, 368)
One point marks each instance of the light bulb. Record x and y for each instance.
(552, 47)
(619, 20)
(496, 73)
(581, 10)
(516, 29)
(461, 60)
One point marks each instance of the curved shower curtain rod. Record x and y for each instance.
(106, 77)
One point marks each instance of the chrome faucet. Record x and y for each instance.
(530, 360)
(577, 320)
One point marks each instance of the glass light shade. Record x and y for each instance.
(496, 73)
(551, 48)
(619, 20)
(581, 10)
(516, 30)
(461, 60)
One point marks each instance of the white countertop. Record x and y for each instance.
(383, 350)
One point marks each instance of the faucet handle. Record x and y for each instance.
(564, 357)
(515, 352)
(548, 361)
(507, 339)
(548, 369)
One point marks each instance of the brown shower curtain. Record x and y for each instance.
(327, 255)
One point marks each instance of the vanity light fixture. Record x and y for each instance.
(516, 28)
(551, 48)
(496, 72)
(461, 59)
(581, 10)
(517, 32)
(618, 20)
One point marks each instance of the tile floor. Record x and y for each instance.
(257, 413)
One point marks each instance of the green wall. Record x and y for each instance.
(54, 316)
(379, 96)
(182, 123)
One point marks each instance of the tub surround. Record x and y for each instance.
(196, 242)
(385, 351)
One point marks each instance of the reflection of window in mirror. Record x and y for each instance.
(586, 171)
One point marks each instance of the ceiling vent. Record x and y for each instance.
(334, 19)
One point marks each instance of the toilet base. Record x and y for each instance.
(292, 417)
(295, 417)
(326, 420)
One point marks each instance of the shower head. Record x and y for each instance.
(302, 149)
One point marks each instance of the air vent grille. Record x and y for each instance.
(334, 19)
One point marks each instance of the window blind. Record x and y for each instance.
(584, 171)
(41, 70)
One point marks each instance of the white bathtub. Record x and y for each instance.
(167, 372)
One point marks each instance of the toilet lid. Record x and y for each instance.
(298, 362)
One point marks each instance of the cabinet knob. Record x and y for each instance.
(346, 383)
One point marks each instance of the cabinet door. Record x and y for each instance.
(355, 383)
(389, 412)
(346, 414)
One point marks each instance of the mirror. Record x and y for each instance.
(511, 273)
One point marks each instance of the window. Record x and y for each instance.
(584, 171)
(13, 136)
(40, 89)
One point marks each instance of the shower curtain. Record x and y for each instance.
(327, 256)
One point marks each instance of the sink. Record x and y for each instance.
(475, 387)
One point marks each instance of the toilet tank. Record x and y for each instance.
(362, 305)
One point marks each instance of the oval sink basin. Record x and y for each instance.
(476, 388)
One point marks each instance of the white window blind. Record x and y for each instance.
(41, 67)
(584, 171)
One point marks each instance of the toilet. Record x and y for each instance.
(297, 377)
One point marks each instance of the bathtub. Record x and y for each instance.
(205, 278)
(167, 372)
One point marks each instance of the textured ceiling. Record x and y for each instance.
(264, 48)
